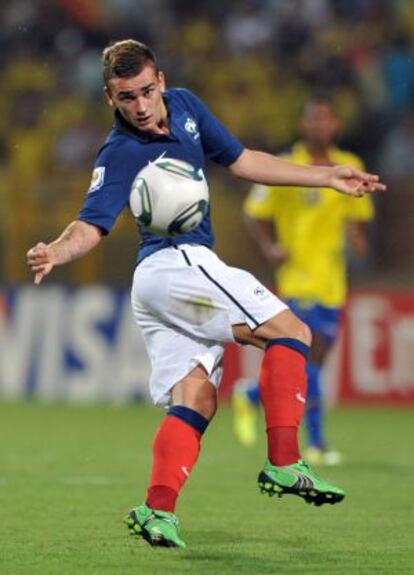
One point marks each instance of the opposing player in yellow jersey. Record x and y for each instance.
(303, 235)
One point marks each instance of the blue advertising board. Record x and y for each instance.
(71, 344)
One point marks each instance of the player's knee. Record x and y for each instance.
(297, 330)
(205, 406)
(208, 408)
(285, 325)
(196, 392)
(303, 333)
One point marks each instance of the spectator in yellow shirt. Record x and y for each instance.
(303, 233)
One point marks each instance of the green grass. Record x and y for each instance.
(68, 474)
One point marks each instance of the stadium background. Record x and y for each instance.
(254, 63)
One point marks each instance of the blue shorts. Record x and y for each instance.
(321, 320)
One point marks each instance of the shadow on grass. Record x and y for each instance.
(230, 553)
(224, 562)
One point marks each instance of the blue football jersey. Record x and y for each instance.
(195, 134)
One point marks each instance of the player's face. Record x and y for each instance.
(319, 124)
(139, 100)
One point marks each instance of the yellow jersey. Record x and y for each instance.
(311, 225)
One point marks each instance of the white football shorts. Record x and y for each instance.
(186, 300)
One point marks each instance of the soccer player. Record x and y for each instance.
(302, 234)
(173, 272)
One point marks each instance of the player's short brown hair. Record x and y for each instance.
(126, 58)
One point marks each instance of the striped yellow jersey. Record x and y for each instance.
(311, 224)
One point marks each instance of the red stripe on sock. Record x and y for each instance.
(175, 451)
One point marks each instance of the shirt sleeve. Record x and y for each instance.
(219, 144)
(261, 202)
(112, 177)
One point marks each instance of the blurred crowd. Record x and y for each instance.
(254, 62)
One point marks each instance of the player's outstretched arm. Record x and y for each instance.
(75, 241)
(270, 170)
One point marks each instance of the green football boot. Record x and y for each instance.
(298, 479)
(159, 528)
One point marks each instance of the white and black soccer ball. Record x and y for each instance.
(169, 197)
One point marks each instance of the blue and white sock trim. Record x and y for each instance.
(292, 343)
(193, 418)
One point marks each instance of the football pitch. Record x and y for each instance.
(68, 475)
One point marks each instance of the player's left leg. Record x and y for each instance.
(282, 382)
(283, 393)
(175, 451)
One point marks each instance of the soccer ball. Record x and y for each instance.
(169, 197)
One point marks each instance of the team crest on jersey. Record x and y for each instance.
(311, 196)
(98, 176)
(191, 128)
(259, 193)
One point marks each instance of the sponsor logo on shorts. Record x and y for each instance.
(259, 291)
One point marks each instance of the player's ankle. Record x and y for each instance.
(161, 497)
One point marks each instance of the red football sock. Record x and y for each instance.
(175, 451)
(282, 392)
(161, 497)
(282, 445)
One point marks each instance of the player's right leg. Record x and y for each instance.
(175, 452)
(184, 329)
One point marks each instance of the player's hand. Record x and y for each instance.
(353, 182)
(40, 260)
(276, 255)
